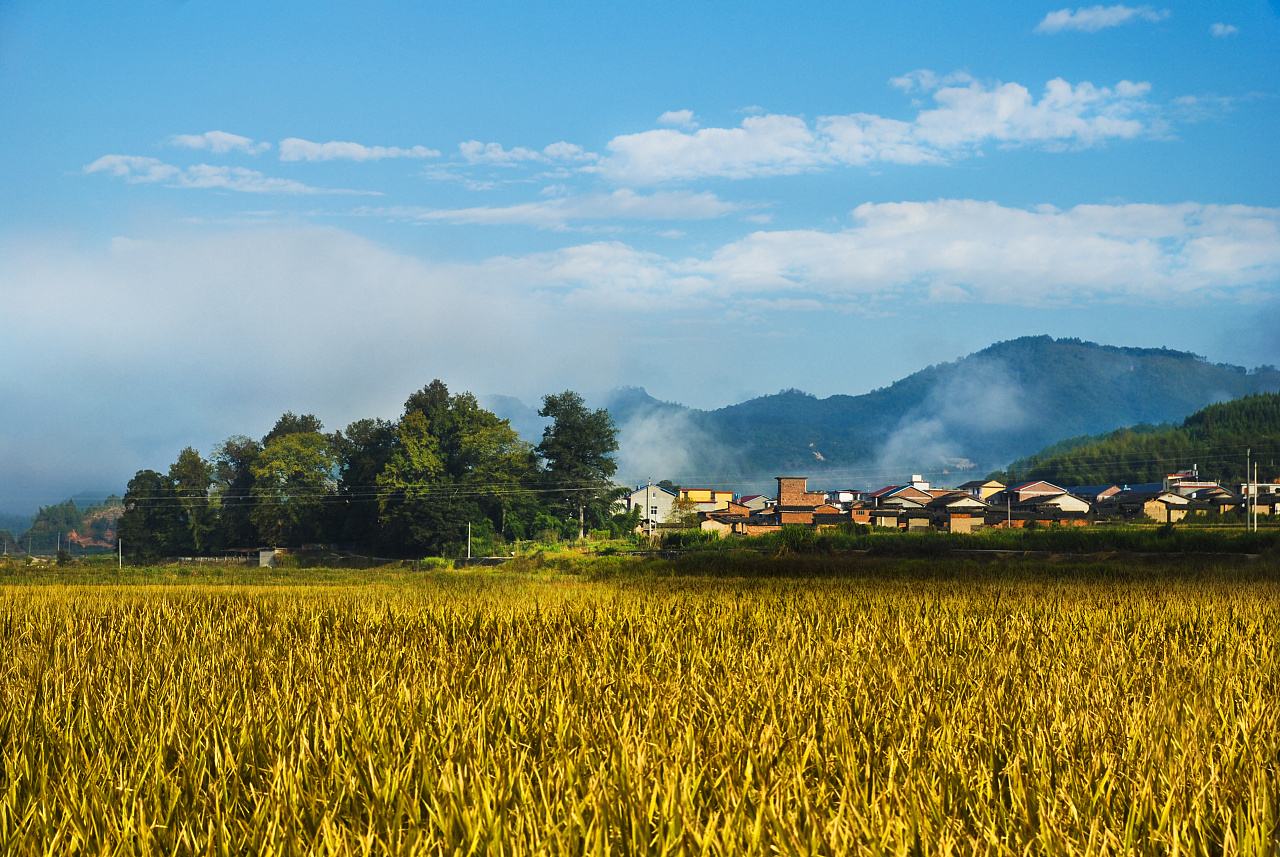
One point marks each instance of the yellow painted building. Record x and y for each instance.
(707, 499)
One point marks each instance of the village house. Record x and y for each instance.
(957, 511)
(1187, 482)
(656, 504)
(706, 499)
(1093, 493)
(1043, 500)
(1165, 507)
(1262, 494)
(914, 495)
(982, 489)
(845, 497)
(756, 502)
(796, 503)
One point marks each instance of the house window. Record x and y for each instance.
(653, 510)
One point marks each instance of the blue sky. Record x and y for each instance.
(214, 212)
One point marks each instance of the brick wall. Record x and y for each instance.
(793, 491)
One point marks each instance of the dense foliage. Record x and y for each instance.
(916, 712)
(446, 470)
(92, 518)
(1214, 438)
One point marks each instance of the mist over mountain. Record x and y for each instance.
(950, 421)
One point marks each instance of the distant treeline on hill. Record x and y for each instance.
(89, 524)
(445, 473)
(1214, 438)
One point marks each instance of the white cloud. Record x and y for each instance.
(1220, 30)
(927, 80)
(950, 250)
(297, 149)
(560, 212)
(563, 151)
(496, 155)
(983, 251)
(604, 275)
(135, 169)
(1091, 19)
(965, 115)
(219, 142)
(760, 146)
(678, 119)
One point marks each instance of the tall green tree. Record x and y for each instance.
(233, 462)
(191, 477)
(413, 513)
(294, 482)
(578, 447)
(363, 450)
(455, 464)
(152, 525)
(291, 423)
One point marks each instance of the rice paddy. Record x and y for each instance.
(491, 713)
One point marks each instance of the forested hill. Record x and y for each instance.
(969, 416)
(1214, 438)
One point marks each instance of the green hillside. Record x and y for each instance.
(1214, 438)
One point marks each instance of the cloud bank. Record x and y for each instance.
(1091, 19)
(219, 143)
(966, 115)
(561, 213)
(298, 149)
(968, 250)
(137, 169)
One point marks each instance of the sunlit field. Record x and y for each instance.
(542, 712)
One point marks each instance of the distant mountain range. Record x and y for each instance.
(957, 419)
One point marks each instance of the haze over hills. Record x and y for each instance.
(950, 421)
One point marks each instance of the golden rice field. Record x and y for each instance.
(479, 713)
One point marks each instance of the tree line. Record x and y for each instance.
(412, 487)
(1215, 438)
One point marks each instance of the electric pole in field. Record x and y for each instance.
(468, 540)
(1248, 471)
(1255, 498)
(648, 508)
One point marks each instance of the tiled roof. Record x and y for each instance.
(888, 489)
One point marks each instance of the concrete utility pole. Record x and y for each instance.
(1255, 497)
(468, 540)
(648, 508)
(1248, 471)
(119, 554)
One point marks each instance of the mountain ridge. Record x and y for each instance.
(969, 415)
